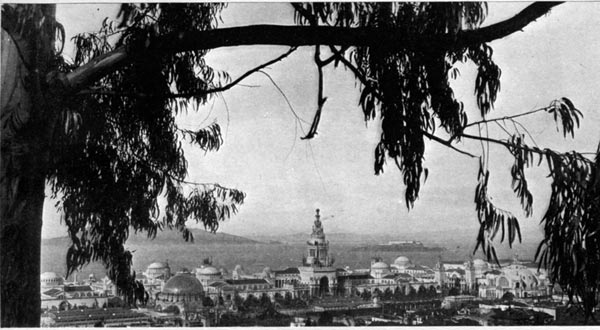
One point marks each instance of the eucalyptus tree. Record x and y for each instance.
(100, 129)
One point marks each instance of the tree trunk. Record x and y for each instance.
(21, 206)
(27, 125)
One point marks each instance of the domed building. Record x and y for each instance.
(182, 296)
(50, 280)
(179, 289)
(516, 279)
(401, 264)
(480, 267)
(158, 270)
(267, 273)
(238, 272)
(379, 269)
(207, 274)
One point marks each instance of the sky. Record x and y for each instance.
(286, 178)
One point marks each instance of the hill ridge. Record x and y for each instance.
(201, 236)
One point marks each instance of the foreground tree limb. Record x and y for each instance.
(302, 36)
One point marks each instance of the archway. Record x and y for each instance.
(324, 285)
(63, 306)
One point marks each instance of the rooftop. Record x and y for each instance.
(247, 281)
(289, 270)
(91, 315)
(77, 288)
(183, 284)
(52, 292)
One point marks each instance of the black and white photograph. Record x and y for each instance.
(277, 164)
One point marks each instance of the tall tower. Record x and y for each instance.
(440, 272)
(318, 246)
(317, 273)
(470, 279)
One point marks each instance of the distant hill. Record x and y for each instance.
(456, 241)
(173, 237)
(396, 248)
(168, 245)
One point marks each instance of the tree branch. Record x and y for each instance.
(302, 36)
(507, 27)
(320, 98)
(361, 77)
(447, 144)
(239, 79)
(522, 147)
(506, 117)
(204, 92)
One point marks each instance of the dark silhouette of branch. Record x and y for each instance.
(447, 144)
(199, 93)
(300, 36)
(509, 145)
(320, 98)
(484, 121)
(239, 79)
(361, 77)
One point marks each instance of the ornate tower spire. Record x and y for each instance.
(318, 247)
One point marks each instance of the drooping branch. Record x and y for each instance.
(320, 98)
(300, 36)
(201, 92)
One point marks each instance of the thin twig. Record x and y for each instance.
(526, 131)
(286, 99)
(506, 117)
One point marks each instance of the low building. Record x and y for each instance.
(105, 317)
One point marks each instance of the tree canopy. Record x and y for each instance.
(106, 141)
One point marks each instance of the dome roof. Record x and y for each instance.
(479, 263)
(380, 265)
(402, 261)
(183, 284)
(50, 276)
(208, 270)
(158, 265)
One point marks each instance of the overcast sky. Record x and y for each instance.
(286, 178)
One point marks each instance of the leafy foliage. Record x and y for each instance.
(410, 89)
(568, 114)
(571, 227)
(491, 218)
(570, 246)
(208, 138)
(119, 155)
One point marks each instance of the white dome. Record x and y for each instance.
(50, 279)
(402, 261)
(208, 270)
(478, 263)
(158, 265)
(49, 276)
(183, 284)
(380, 265)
